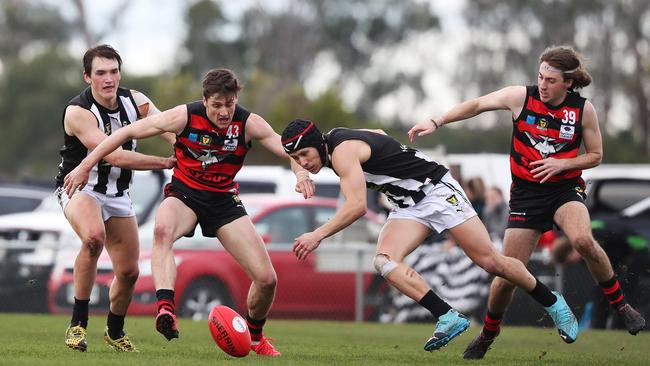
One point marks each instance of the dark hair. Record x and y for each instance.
(568, 60)
(221, 81)
(103, 51)
(300, 134)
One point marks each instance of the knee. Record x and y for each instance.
(93, 242)
(585, 245)
(384, 264)
(128, 275)
(493, 264)
(267, 281)
(163, 234)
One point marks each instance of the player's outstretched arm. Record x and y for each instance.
(172, 120)
(346, 160)
(509, 98)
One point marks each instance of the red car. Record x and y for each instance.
(320, 287)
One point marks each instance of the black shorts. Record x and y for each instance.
(213, 209)
(532, 206)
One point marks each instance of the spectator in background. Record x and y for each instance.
(495, 215)
(475, 189)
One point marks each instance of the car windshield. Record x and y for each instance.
(10, 204)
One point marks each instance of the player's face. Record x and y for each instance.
(104, 78)
(220, 109)
(552, 85)
(308, 158)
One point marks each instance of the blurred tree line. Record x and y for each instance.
(275, 52)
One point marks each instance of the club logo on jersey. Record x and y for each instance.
(206, 139)
(542, 124)
(207, 158)
(531, 120)
(404, 147)
(229, 145)
(567, 132)
(544, 144)
(452, 199)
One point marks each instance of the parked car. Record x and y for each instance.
(207, 275)
(16, 198)
(30, 242)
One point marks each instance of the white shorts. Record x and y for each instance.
(111, 206)
(444, 206)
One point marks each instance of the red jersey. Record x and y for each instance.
(208, 158)
(543, 131)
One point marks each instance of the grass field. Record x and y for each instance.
(38, 340)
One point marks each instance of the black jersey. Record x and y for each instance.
(104, 178)
(394, 169)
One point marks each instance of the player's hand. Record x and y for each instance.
(305, 244)
(421, 129)
(305, 185)
(169, 162)
(546, 168)
(75, 180)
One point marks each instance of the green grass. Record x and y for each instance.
(38, 339)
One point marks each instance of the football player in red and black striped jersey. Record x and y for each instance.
(551, 121)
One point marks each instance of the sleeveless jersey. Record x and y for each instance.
(542, 131)
(394, 169)
(208, 158)
(103, 178)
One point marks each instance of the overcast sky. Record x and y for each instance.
(151, 31)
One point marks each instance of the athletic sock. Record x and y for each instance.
(165, 300)
(255, 327)
(115, 325)
(542, 294)
(491, 324)
(612, 290)
(80, 313)
(434, 304)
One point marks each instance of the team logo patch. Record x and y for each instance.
(193, 137)
(531, 120)
(206, 140)
(452, 199)
(230, 145)
(542, 124)
(580, 191)
(567, 132)
(236, 199)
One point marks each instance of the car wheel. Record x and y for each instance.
(201, 296)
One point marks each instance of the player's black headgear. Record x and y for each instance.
(300, 134)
